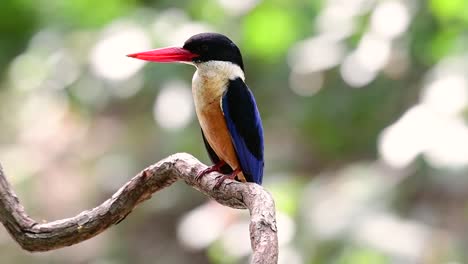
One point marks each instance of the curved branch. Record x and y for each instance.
(34, 236)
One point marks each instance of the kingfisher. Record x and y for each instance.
(226, 109)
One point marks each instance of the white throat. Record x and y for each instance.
(219, 70)
(210, 81)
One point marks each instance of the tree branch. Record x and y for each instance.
(34, 236)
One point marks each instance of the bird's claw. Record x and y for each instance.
(221, 179)
(215, 167)
(219, 182)
(203, 173)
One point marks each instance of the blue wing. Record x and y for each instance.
(245, 126)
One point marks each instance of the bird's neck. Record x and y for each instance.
(211, 79)
(219, 70)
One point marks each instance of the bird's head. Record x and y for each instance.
(197, 50)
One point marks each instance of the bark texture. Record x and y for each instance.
(35, 236)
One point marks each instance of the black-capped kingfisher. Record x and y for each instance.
(226, 108)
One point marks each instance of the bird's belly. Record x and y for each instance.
(217, 134)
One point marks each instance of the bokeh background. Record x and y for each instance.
(364, 104)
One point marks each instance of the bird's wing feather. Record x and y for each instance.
(245, 126)
(213, 157)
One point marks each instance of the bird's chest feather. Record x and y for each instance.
(210, 82)
(207, 93)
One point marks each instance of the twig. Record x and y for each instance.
(34, 236)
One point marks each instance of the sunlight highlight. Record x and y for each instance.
(403, 141)
(390, 19)
(434, 128)
(354, 73)
(306, 84)
(316, 54)
(373, 52)
(442, 139)
(449, 144)
(238, 7)
(236, 239)
(173, 27)
(201, 226)
(27, 72)
(403, 239)
(335, 21)
(447, 95)
(108, 57)
(173, 108)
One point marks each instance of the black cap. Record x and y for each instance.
(214, 47)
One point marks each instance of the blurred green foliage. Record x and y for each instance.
(269, 31)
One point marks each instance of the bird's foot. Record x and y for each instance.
(230, 176)
(216, 167)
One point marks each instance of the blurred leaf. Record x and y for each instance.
(340, 122)
(208, 11)
(86, 13)
(269, 31)
(18, 21)
(443, 43)
(363, 256)
(286, 195)
(450, 10)
(218, 256)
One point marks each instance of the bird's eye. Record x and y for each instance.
(204, 47)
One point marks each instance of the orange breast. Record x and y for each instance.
(217, 134)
